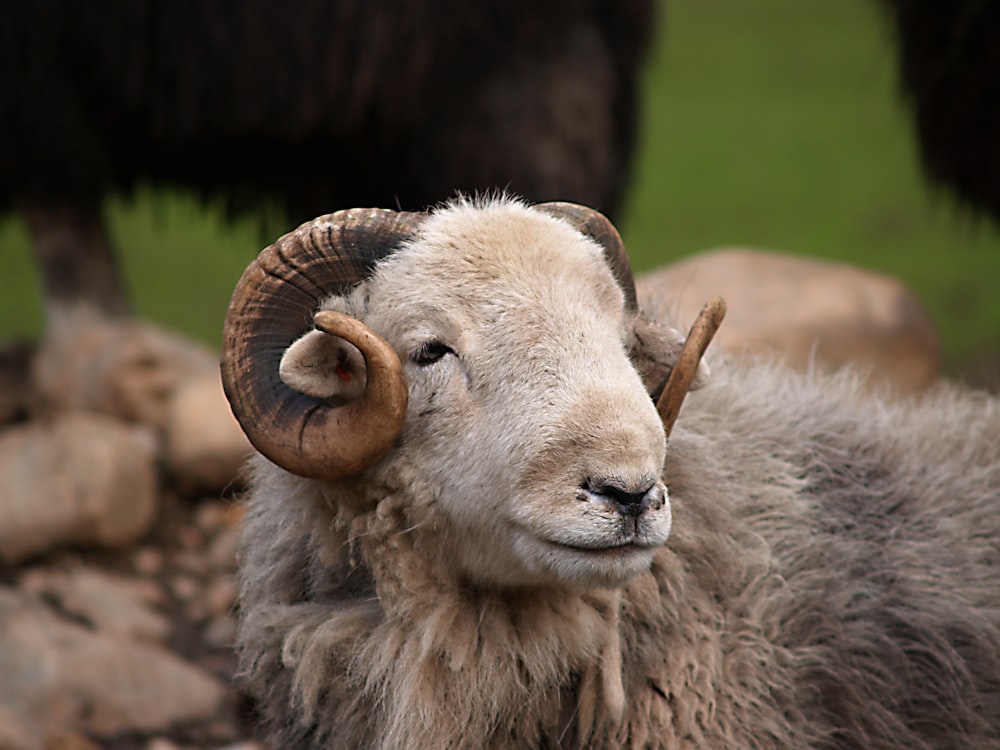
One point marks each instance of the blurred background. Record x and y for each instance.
(776, 124)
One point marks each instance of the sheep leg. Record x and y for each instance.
(95, 356)
(76, 263)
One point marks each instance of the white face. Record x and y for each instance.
(527, 424)
(526, 416)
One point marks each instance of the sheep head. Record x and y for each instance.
(481, 349)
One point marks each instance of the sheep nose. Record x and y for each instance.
(631, 502)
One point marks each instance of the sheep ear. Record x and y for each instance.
(655, 348)
(325, 367)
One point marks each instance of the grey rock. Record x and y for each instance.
(205, 447)
(78, 479)
(58, 674)
(113, 605)
(125, 368)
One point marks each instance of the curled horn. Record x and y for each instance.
(703, 330)
(273, 305)
(598, 227)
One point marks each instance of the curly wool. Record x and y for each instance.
(830, 583)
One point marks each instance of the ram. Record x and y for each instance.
(468, 527)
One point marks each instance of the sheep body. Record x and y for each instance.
(829, 580)
(302, 107)
(321, 103)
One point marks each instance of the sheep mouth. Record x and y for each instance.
(626, 537)
(608, 559)
(628, 534)
(611, 563)
(630, 545)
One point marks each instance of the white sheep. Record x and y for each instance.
(465, 539)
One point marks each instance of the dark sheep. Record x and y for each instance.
(949, 67)
(309, 105)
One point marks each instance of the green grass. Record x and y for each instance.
(181, 261)
(777, 123)
(770, 123)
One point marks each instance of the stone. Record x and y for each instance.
(77, 479)
(60, 675)
(206, 449)
(69, 739)
(111, 604)
(17, 734)
(184, 587)
(125, 368)
(220, 596)
(162, 743)
(210, 517)
(148, 561)
(222, 552)
(809, 313)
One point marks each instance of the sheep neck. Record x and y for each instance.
(555, 648)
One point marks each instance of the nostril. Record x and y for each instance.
(630, 502)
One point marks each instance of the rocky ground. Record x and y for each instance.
(117, 561)
(127, 649)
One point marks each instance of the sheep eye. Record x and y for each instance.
(431, 352)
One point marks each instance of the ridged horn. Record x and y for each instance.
(703, 330)
(273, 305)
(598, 227)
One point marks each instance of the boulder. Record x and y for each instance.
(16, 734)
(111, 604)
(78, 479)
(807, 312)
(205, 447)
(59, 675)
(124, 368)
